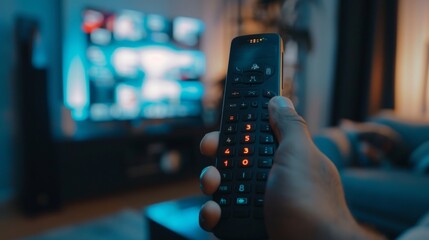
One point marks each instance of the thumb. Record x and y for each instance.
(288, 127)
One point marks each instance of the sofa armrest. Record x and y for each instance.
(413, 132)
(334, 143)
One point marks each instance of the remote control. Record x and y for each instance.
(246, 143)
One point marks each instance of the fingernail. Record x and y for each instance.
(201, 216)
(201, 176)
(203, 172)
(283, 102)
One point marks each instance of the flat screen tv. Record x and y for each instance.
(127, 71)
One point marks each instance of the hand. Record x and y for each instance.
(304, 198)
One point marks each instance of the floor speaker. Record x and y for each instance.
(36, 168)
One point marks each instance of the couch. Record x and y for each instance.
(384, 167)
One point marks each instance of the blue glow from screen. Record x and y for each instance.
(134, 66)
(176, 218)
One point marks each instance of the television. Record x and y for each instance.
(131, 72)
(131, 110)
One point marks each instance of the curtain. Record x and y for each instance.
(364, 77)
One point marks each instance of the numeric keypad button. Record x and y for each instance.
(248, 127)
(246, 151)
(226, 176)
(243, 188)
(249, 117)
(232, 118)
(246, 162)
(244, 175)
(226, 163)
(230, 140)
(247, 138)
(228, 151)
(230, 128)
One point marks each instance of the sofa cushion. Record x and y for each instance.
(420, 158)
(391, 198)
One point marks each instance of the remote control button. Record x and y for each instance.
(269, 94)
(266, 151)
(254, 67)
(232, 118)
(237, 79)
(254, 104)
(230, 128)
(259, 202)
(242, 201)
(235, 94)
(246, 162)
(226, 176)
(226, 163)
(265, 116)
(224, 188)
(228, 151)
(243, 188)
(265, 105)
(230, 140)
(244, 175)
(265, 127)
(269, 71)
(249, 117)
(246, 151)
(251, 93)
(253, 78)
(248, 127)
(238, 69)
(262, 176)
(243, 105)
(265, 162)
(232, 106)
(223, 201)
(266, 139)
(248, 138)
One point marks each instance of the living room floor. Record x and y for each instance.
(126, 205)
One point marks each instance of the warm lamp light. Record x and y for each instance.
(412, 60)
(425, 92)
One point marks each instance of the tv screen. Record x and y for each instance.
(135, 67)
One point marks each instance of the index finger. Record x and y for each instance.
(209, 144)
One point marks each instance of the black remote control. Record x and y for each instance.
(246, 143)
